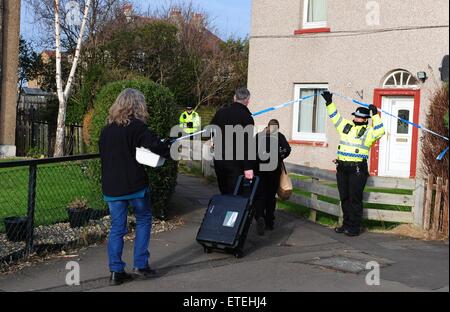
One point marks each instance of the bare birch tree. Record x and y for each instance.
(64, 92)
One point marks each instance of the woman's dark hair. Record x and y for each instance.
(274, 122)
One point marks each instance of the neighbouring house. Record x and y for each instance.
(46, 57)
(193, 25)
(9, 60)
(393, 53)
(196, 26)
(33, 98)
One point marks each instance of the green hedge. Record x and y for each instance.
(163, 115)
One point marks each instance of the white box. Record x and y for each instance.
(148, 158)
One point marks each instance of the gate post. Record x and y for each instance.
(31, 208)
(419, 202)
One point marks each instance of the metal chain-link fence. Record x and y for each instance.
(50, 204)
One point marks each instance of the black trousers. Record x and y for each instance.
(351, 181)
(266, 201)
(227, 172)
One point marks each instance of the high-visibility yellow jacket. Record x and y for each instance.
(190, 123)
(356, 141)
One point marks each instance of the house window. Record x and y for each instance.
(315, 13)
(310, 116)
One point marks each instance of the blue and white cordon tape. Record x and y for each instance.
(274, 108)
(418, 126)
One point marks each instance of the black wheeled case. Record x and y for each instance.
(228, 219)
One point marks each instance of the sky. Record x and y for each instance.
(231, 18)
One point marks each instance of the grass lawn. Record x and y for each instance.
(11, 159)
(57, 186)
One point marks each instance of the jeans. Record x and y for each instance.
(119, 212)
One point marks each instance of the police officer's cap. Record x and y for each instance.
(362, 112)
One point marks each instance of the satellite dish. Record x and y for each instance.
(444, 69)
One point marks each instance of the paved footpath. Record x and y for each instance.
(297, 256)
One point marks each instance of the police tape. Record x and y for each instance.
(274, 108)
(442, 155)
(418, 126)
(262, 112)
(189, 135)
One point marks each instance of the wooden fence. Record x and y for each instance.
(436, 208)
(408, 207)
(39, 137)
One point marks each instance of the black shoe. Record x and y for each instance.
(260, 226)
(340, 230)
(352, 233)
(146, 273)
(118, 278)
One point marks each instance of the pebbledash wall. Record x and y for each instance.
(9, 58)
(347, 54)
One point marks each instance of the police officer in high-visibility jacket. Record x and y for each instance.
(190, 120)
(357, 137)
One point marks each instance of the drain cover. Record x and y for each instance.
(342, 264)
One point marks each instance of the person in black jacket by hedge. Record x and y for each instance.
(125, 181)
(266, 201)
(227, 164)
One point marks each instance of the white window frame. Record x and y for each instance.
(309, 25)
(306, 136)
(399, 84)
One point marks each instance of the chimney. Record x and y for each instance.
(175, 14)
(198, 21)
(127, 10)
(176, 17)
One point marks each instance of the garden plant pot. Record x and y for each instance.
(16, 228)
(97, 214)
(78, 217)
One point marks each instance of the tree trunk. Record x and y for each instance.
(59, 142)
(63, 95)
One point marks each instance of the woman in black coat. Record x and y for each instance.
(125, 181)
(266, 201)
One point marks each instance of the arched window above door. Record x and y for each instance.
(400, 79)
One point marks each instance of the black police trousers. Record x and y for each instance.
(266, 201)
(351, 181)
